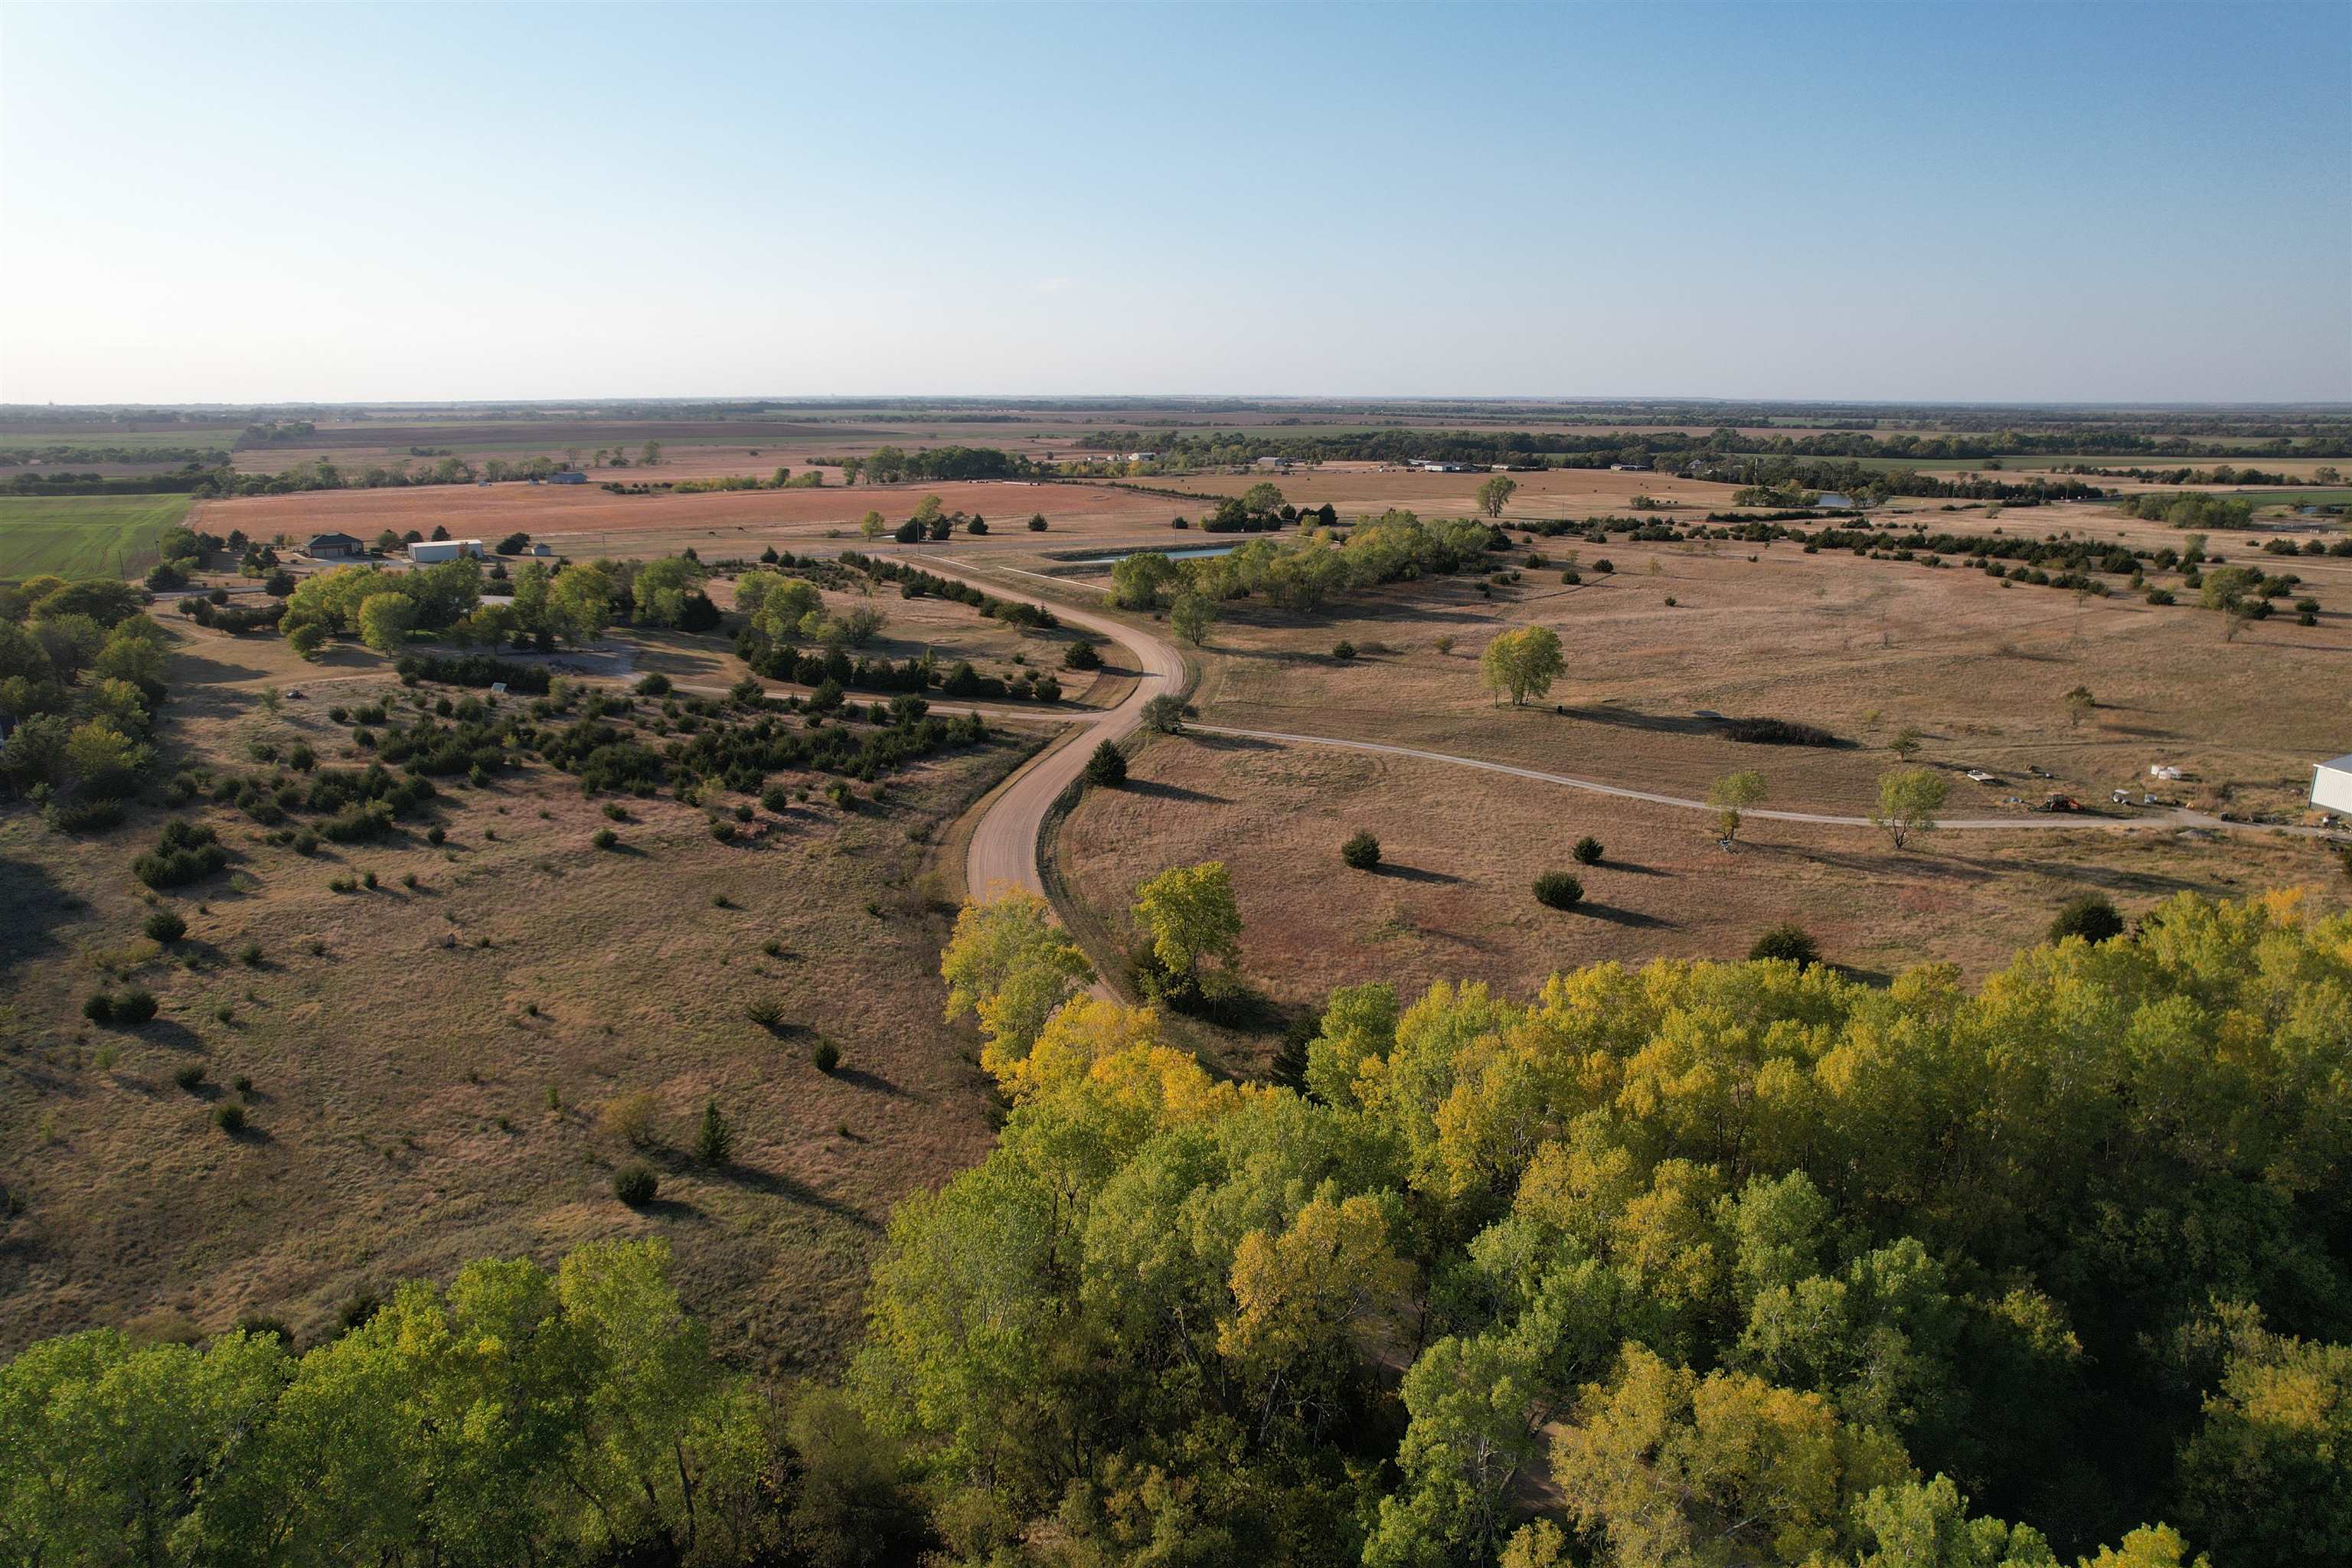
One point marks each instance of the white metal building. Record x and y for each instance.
(2331, 786)
(425, 552)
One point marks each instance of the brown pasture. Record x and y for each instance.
(1452, 899)
(401, 1042)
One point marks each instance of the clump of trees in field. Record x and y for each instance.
(82, 672)
(518, 1415)
(1306, 573)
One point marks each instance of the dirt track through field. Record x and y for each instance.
(1003, 850)
(2174, 819)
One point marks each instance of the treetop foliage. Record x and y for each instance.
(1756, 1264)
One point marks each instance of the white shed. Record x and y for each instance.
(2331, 784)
(426, 550)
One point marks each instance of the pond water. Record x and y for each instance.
(1196, 552)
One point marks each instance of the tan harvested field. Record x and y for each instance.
(1554, 492)
(1452, 899)
(585, 519)
(402, 1043)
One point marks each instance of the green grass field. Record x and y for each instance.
(83, 536)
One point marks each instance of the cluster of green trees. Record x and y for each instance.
(2190, 510)
(1306, 572)
(81, 674)
(890, 464)
(570, 601)
(1698, 1264)
(518, 1416)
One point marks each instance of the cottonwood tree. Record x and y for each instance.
(1192, 615)
(1732, 794)
(871, 525)
(1496, 493)
(1009, 965)
(2079, 703)
(386, 620)
(1192, 916)
(1908, 799)
(1522, 663)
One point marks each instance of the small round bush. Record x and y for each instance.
(1789, 943)
(1558, 891)
(826, 1056)
(605, 838)
(437, 836)
(635, 1185)
(306, 842)
(1362, 852)
(165, 926)
(1670, 601)
(654, 686)
(190, 1076)
(134, 1007)
(99, 1008)
(229, 1116)
(249, 956)
(2091, 917)
(1081, 656)
(722, 830)
(1343, 648)
(1587, 851)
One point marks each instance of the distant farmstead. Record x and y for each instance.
(333, 546)
(567, 477)
(433, 550)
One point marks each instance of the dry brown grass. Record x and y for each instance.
(1452, 899)
(402, 1044)
(1858, 647)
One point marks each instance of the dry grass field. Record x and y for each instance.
(1452, 897)
(1862, 648)
(431, 1063)
(1355, 489)
(585, 520)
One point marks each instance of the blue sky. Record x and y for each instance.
(2100, 202)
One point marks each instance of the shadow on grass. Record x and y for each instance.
(1628, 867)
(1654, 723)
(858, 1078)
(35, 903)
(1615, 916)
(775, 1184)
(1413, 874)
(1157, 790)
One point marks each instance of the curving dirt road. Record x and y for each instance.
(1003, 850)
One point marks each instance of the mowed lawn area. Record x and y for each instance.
(83, 536)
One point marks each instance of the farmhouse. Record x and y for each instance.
(443, 550)
(333, 546)
(2331, 784)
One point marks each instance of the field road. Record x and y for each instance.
(1003, 850)
(2176, 818)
